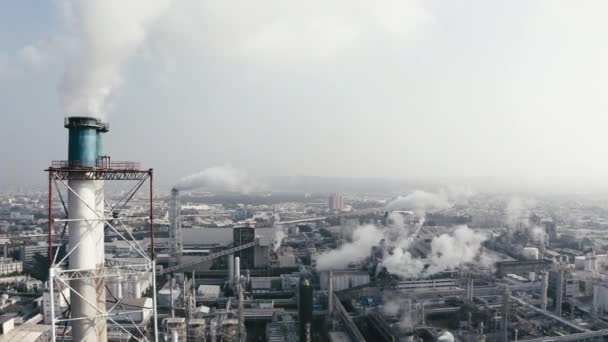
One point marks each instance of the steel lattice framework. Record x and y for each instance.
(117, 314)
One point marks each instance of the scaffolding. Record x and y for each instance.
(120, 315)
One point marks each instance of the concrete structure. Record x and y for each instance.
(175, 226)
(522, 267)
(336, 202)
(600, 298)
(559, 292)
(504, 322)
(344, 279)
(241, 236)
(208, 291)
(60, 301)
(10, 266)
(544, 289)
(86, 230)
(427, 284)
(530, 253)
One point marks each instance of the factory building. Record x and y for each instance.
(9, 266)
(336, 202)
(61, 303)
(522, 267)
(427, 284)
(241, 236)
(344, 279)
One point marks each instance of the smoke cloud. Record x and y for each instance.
(420, 201)
(107, 33)
(363, 239)
(279, 235)
(452, 250)
(220, 178)
(448, 251)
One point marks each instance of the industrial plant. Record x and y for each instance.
(304, 171)
(207, 261)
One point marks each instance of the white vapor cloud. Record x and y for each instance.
(106, 34)
(272, 31)
(448, 251)
(220, 178)
(363, 239)
(420, 201)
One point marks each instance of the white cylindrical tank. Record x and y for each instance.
(579, 262)
(237, 270)
(530, 253)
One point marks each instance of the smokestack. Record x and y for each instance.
(544, 289)
(175, 228)
(330, 295)
(559, 291)
(230, 269)
(86, 229)
(504, 326)
(305, 309)
(171, 285)
(241, 331)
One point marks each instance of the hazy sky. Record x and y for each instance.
(507, 91)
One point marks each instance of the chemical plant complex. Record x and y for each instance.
(106, 255)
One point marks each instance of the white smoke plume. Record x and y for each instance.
(278, 237)
(404, 308)
(108, 33)
(537, 234)
(448, 251)
(452, 250)
(220, 178)
(420, 201)
(517, 218)
(517, 212)
(363, 239)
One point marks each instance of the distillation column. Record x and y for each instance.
(86, 229)
(175, 228)
(544, 289)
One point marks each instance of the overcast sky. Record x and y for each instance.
(511, 92)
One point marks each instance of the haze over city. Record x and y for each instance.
(495, 93)
(325, 171)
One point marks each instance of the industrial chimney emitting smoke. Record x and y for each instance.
(86, 228)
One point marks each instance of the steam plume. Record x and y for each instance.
(448, 251)
(108, 32)
(364, 238)
(420, 201)
(219, 178)
(279, 235)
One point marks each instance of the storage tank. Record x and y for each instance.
(530, 253)
(579, 262)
